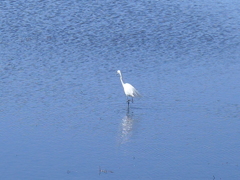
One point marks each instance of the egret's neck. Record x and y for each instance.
(121, 79)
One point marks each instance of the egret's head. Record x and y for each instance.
(118, 71)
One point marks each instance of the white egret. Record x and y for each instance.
(128, 88)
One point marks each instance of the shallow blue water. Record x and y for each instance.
(62, 107)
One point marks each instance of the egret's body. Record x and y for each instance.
(129, 90)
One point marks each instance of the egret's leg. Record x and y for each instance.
(128, 99)
(132, 99)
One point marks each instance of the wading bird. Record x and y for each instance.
(128, 88)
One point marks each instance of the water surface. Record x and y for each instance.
(62, 107)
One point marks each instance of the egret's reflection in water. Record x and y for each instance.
(126, 128)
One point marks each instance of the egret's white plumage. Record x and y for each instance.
(128, 88)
